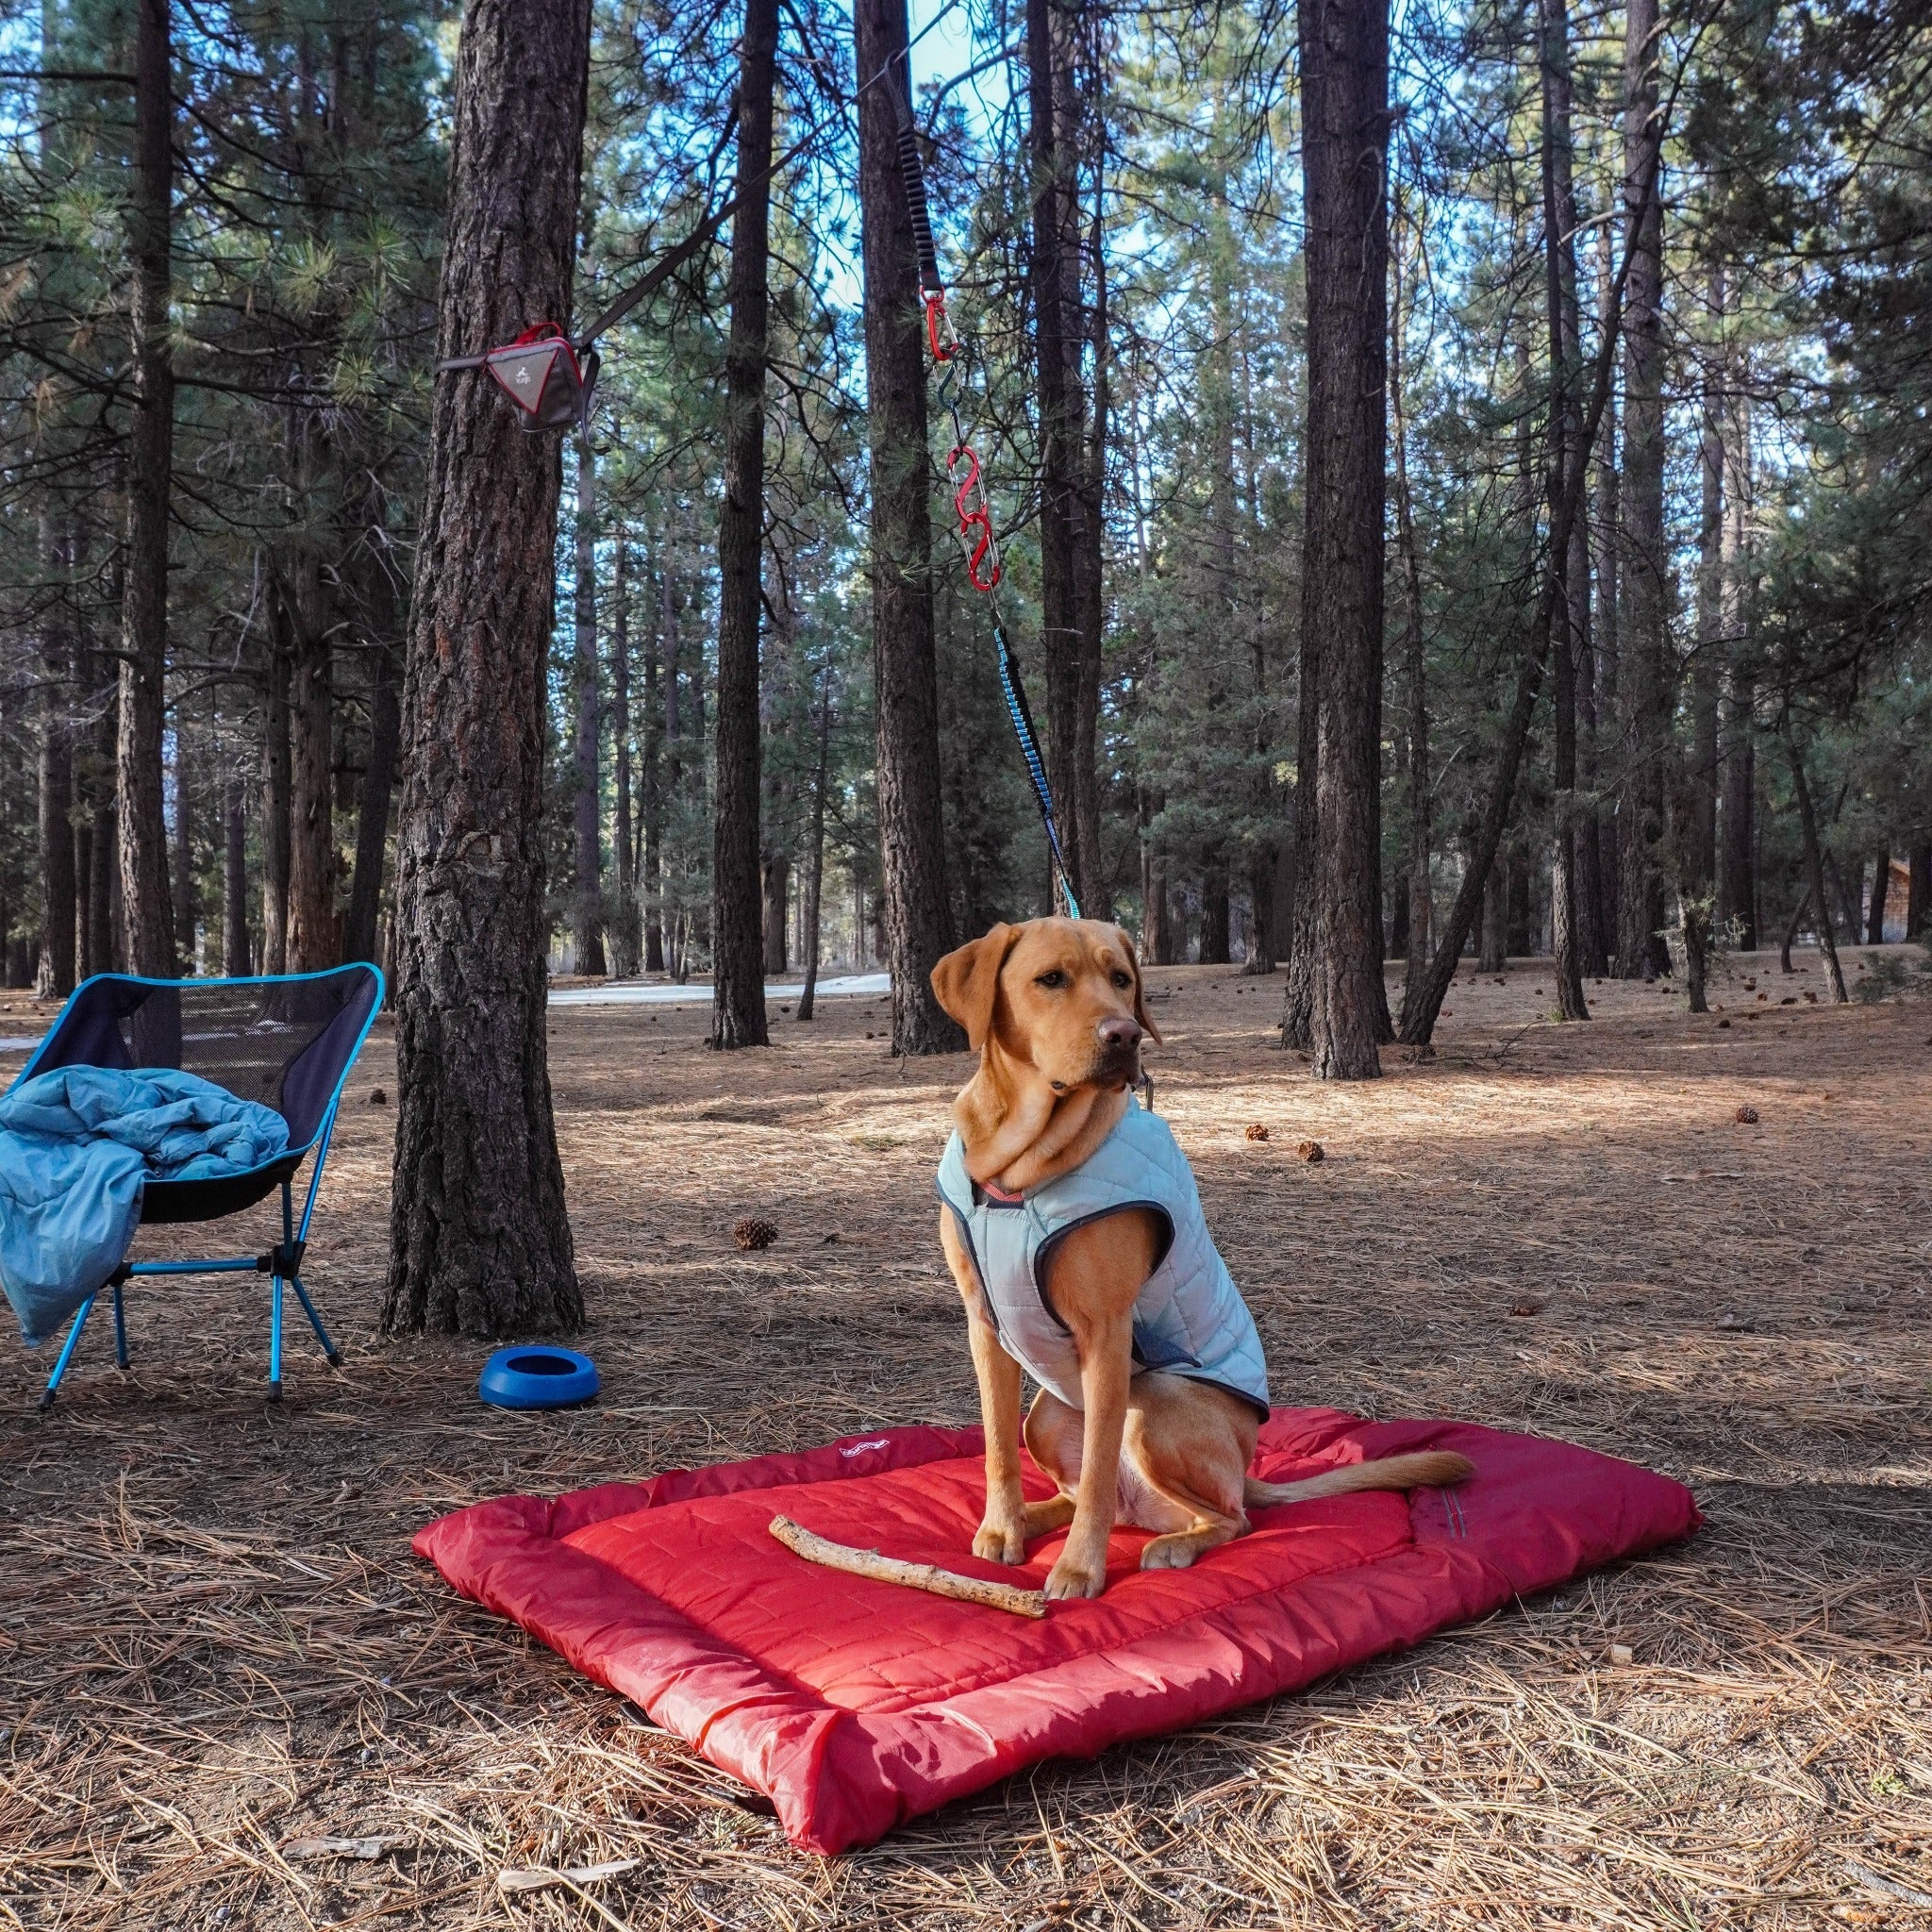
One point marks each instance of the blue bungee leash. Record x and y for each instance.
(969, 505)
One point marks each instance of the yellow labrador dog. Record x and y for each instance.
(1071, 1224)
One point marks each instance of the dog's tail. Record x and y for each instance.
(1429, 1469)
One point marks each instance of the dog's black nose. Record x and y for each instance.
(1119, 1033)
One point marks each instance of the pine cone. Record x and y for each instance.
(1310, 1151)
(1746, 1116)
(754, 1232)
(1258, 1132)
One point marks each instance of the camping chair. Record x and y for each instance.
(287, 1041)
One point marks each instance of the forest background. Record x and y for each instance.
(1729, 745)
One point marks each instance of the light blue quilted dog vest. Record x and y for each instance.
(1188, 1319)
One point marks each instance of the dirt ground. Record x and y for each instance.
(215, 1642)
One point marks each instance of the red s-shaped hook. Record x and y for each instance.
(974, 516)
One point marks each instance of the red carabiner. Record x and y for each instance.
(935, 314)
(973, 517)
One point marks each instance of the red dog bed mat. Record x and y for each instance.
(854, 1703)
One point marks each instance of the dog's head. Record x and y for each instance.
(1060, 998)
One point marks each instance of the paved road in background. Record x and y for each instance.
(634, 993)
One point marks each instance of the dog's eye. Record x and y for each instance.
(1053, 978)
(1123, 981)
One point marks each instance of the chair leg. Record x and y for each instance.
(120, 1328)
(331, 1353)
(67, 1349)
(275, 1342)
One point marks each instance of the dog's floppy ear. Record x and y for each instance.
(1141, 1016)
(967, 982)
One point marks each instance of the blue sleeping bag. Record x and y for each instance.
(77, 1147)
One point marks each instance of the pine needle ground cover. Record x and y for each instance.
(231, 1696)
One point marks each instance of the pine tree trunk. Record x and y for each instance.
(660, 764)
(1494, 956)
(1605, 523)
(1061, 412)
(1096, 898)
(587, 903)
(54, 978)
(101, 885)
(1814, 873)
(1736, 884)
(1419, 906)
(775, 877)
(626, 928)
(1644, 641)
(378, 787)
(187, 913)
(1344, 50)
(1737, 898)
(312, 938)
(917, 915)
(1214, 910)
(480, 1240)
(144, 840)
(815, 878)
(738, 957)
(274, 804)
(1571, 639)
(1298, 1002)
(235, 961)
(1881, 884)
(1919, 891)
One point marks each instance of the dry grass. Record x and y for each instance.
(214, 1642)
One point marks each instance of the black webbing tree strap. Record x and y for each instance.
(975, 531)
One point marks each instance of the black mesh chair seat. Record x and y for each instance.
(287, 1041)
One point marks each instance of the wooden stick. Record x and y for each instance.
(928, 1577)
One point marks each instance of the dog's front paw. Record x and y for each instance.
(1000, 1542)
(1076, 1577)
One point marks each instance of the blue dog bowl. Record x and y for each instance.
(537, 1376)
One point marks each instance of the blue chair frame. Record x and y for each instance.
(182, 1200)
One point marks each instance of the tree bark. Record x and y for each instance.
(313, 942)
(1492, 955)
(1784, 951)
(1737, 887)
(235, 960)
(378, 787)
(1415, 672)
(918, 918)
(625, 926)
(1298, 1002)
(1881, 883)
(275, 800)
(1814, 871)
(1089, 549)
(1645, 642)
(737, 974)
(187, 913)
(143, 843)
(54, 978)
(815, 877)
(587, 903)
(661, 733)
(1606, 525)
(1062, 407)
(1919, 891)
(1344, 51)
(1570, 641)
(480, 1240)
(1214, 910)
